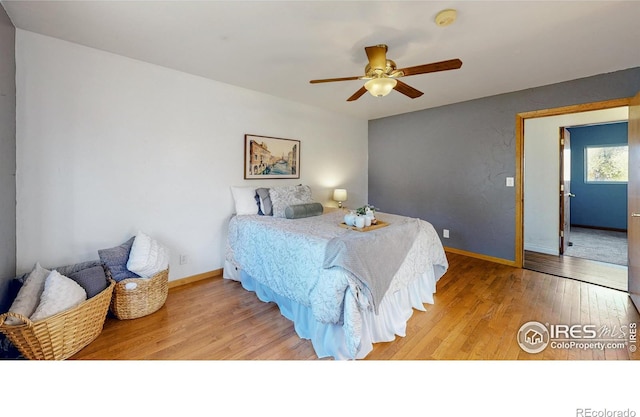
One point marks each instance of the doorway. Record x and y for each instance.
(594, 202)
(541, 215)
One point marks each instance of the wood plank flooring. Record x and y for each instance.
(479, 307)
(595, 272)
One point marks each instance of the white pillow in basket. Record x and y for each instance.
(60, 294)
(147, 256)
(29, 295)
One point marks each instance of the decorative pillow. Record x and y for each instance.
(60, 294)
(265, 201)
(148, 256)
(281, 197)
(299, 211)
(93, 280)
(257, 198)
(67, 270)
(116, 258)
(28, 297)
(244, 199)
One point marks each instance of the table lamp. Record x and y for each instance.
(340, 195)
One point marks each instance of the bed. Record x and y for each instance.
(343, 289)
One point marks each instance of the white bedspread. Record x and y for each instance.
(287, 256)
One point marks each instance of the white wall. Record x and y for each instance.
(107, 145)
(542, 174)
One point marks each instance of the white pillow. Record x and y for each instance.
(245, 200)
(29, 295)
(288, 195)
(147, 256)
(60, 294)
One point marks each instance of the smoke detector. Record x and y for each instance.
(446, 17)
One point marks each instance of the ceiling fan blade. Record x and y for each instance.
(377, 56)
(433, 67)
(357, 94)
(407, 90)
(329, 80)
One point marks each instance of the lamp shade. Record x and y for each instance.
(340, 194)
(380, 87)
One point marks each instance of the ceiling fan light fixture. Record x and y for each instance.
(446, 17)
(380, 87)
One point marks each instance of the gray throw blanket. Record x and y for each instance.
(373, 257)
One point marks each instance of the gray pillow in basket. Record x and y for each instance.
(67, 270)
(116, 258)
(92, 279)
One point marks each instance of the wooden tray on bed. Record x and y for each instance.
(366, 228)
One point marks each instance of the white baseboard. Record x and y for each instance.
(542, 249)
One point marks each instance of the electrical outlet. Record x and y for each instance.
(184, 259)
(445, 233)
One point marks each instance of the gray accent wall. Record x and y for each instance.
(7, 156)
(448, 165)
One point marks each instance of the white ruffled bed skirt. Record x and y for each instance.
(328, 339)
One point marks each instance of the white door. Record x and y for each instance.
(565, 189)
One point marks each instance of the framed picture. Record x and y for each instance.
(271, 158)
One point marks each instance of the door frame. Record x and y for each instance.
(632, 206)
(520, 119)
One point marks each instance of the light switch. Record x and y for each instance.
(509, 181)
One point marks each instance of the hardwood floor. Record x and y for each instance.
(479, 308)
(594, 272)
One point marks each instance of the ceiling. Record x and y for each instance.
(276, 47)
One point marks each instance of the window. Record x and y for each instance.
(607, 164)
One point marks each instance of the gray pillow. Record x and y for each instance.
(115, 260)
(265, 201)
(73, 268)
(299, 211)
(92, 279)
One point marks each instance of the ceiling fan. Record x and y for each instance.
(382, 74)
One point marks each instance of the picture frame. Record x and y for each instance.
(267, 157)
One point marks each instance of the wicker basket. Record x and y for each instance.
(62, 335)
(147, 297)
